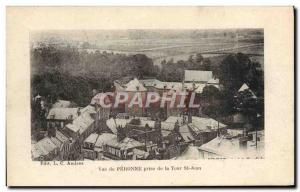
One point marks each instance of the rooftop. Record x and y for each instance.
(113, 123)
(245, 87)
(81, 123)
(60, 136)
(231, 148)
(56, 141)
(92, 138)
(200, 124)
(213, 81)
(104, 138)
(62, 104)
(197, 76)
(140, 153)
(62, 113)
(140, 85)
(127, 143)
(43, 147)
(186, 133)
(135, 86)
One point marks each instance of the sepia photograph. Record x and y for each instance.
(150, 96)
(147, 94)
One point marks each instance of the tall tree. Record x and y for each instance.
(233, 70)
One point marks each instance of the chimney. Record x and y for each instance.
(176, 127)
(190, 118)
(78, 111)
(157, 125)
(120, 133)
(51, 131)
(183, 119)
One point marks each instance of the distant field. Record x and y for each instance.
(180, 49)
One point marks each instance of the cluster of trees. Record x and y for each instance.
(233, 72)
(56, 85)
(79, 62)
(71, 74)
(237, 69)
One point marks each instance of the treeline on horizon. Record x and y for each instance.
(71, 74)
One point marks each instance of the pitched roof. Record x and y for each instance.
(202, 124)
(135, 85)
(62, 113)
(103, 139)
(172, 119)
(113, 123)
(165, 133)
(197, 76)
(140, 153)
(88, 109)
(174, 86)
(60, 136)
(56, 141)
(223, 147)
(231, 147)
(245, 87)
(167, 126)
(186, 134)
(190, 153)
(213, 81)
(150, 82)
(118, 86)
(36, 152)
(198, 123)
(43, 147)
(61, 104)
(126, 143)
(81, 123)
(92, 138)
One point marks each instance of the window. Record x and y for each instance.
(118, 153)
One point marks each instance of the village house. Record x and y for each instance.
(101, 141)
(44, 150)
(88, 147)
(78, 131)
(63, 143)
(142, 130)
(59, 117)
(239, 120)
(197, 130)
(193, 81)
(120, 147)
(162, 137)
(197, 76)
(227, 146)
(107, 146)
(169, 138)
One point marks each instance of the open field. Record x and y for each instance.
(181, 49)
(163, 44)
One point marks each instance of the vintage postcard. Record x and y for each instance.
(150, 96)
